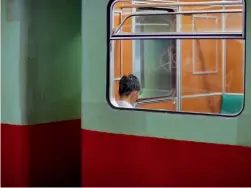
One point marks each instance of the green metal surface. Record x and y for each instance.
(98, 115)
(10, 74)
(41, 61)
(55, 72)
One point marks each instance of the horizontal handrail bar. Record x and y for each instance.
(181, 35)
(182, 4)
(174, 13)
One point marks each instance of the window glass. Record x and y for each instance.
(183, 75)
(155, 59)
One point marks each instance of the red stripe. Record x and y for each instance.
(15, 156)
(49, 155)
(41, 155)
(120, 160)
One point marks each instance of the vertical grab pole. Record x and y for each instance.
(112, 46)
(178, 64)
(223, 24)
(121, 46)
(244, 43)
(133, 41)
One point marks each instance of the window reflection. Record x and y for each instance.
(156, 59)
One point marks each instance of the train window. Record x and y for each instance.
(154, 60)
(188, 57)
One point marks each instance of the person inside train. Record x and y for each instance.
(129, 91)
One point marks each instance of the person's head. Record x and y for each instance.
(129, 88)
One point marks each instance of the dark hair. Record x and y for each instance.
(128, 84)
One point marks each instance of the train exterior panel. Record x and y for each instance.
(137, 148)
(57, 128)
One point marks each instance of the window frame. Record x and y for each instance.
(111, 37)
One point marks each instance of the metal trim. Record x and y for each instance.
(182, 97)
(223, 18)
(179, 65)
(116, 79)
(164, 99)
(175, 13)
(121, 49)
(175, 35)
(179, 4)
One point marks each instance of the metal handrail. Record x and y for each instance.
(174, 13)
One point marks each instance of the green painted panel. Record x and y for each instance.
(97, 115)
(244, 125)
(54, 78)
(41, 62)
(10, 74)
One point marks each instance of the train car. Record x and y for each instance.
(191, 125)
(61, 64)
